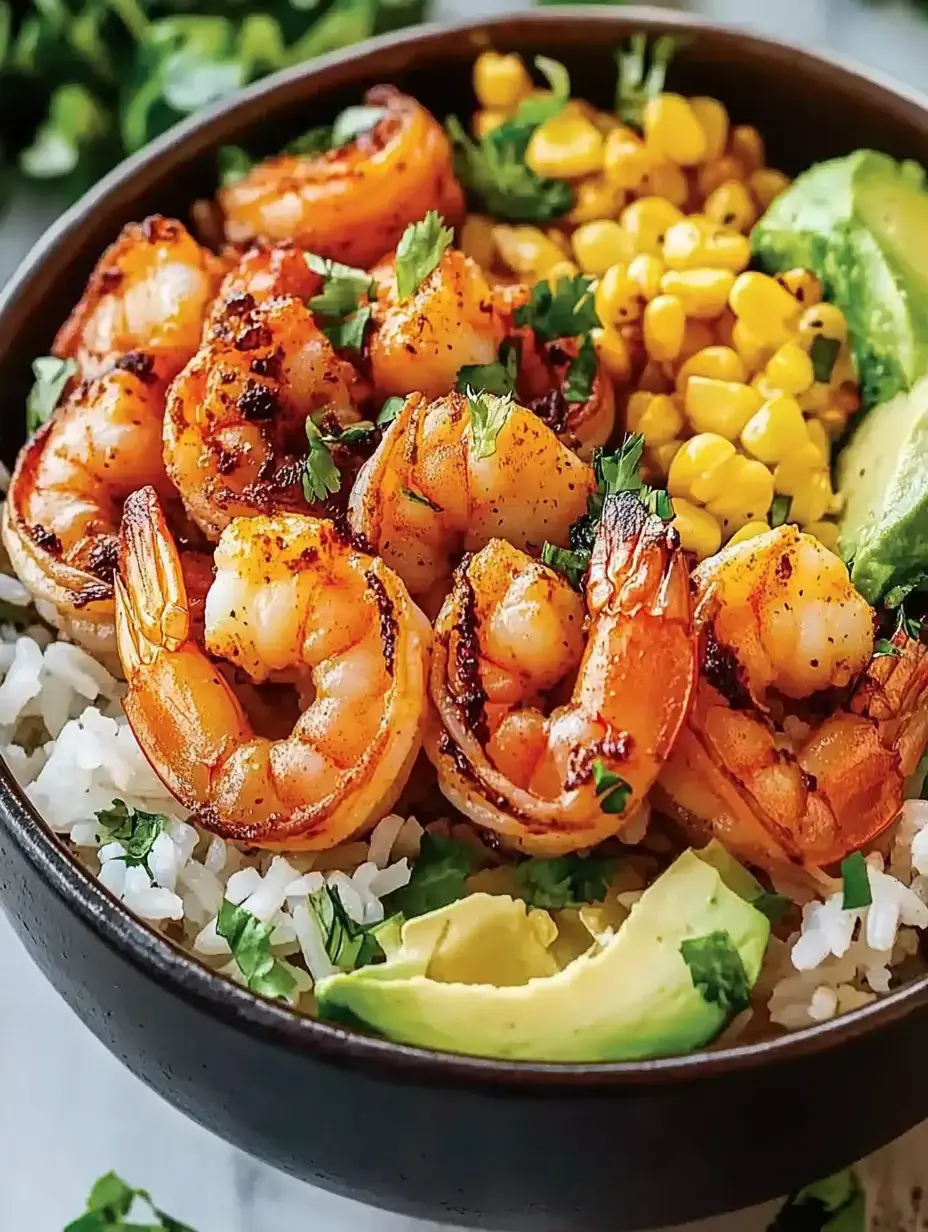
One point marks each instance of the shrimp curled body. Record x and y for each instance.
(291, 599)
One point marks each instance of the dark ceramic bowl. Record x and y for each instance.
(499, 1145)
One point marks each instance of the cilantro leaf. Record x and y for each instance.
(537, 110)
(497, 378)
(658, 502)
(316, 140)
(389, 411)
(578, 385)
(349, 945)
(573, 565)
(234, 164)
(611, 788)
(250, 942)
(134, 828)
(884, 648)
(321, 477)
(568, 881)
(488, 414)
(773, 906)
(51, 376)
(351, 435)
(109, 1205)
(342, 288)
(909, 625)
(857, 892)
(348, 335)
(438, 878)
(823, 353)
(615, 472)
(419, 499)
(717, 971)
(419, 252)
(639, 81)
(779, 510)
(354, 121)
(565, 310)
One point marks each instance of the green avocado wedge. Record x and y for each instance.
(861, 223)
(631, 996)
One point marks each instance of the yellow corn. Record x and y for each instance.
(717, 171)
(697, 335)
(766, 308)
(819, 438)
(618, 297)
(810, 503)
(789, 369)
(562, 269)
(567, 147)
(526, 250)
(766, 184)
(730, 205)
(824, 532)
(752, 350)
(663, 327)
(694, 471)
(776, 430)
(723, 407)
(713, 120)
(667, 180)
(671, 127)
(822, 321)
(719, 362)
(661, 456)
(746, 493)
(613, 353)
(625, 160)
(694, 243)
(815, 399)
(655, 416)
(500, 81)
(699, 532)
(596, 198)
(747, 145)
(802, 284)
(485, 121)
(704, 292)
(723, 328)
(749, 531)
(792, 474)
(606, 121)
(646, 272)
(477, 239)
(598, 245)
(647, 220)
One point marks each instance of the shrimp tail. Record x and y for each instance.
(151, 578)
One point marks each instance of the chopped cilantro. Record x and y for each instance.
(856, 882)
(108, 1207)
(717, 971)
(773, 906)
(234, 164)
(779, 510)
(565, 310)
(348, 335)
(909, 625)
(488, 414)
(316, 140)
(611, 788)
(497, 378)
(250, 942)
(578, 385)
(638, 81)
(573, 565)
(421, 500)
(917, 581)
(342, 287)
(134, 828)
(419, 252)
(568, 881)
(51, 375)
(389, 411)
(321, 477)
(823, 353)
(536, 110)
(439, 876)
(354, 121)
(658, 502)
(349, 945)
(351, 435)
(884, 648)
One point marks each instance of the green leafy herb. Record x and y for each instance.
(389, 411)
(773, 906)
(856, 882)
(823, 353)
(250, 942)
(343, 287)
(354, 121)
(51, 376)
(135, 829)
(348, 335)
(108, 1207)
(611, 788)
(76, 130)
(911, 626)
(352, 435)
(573, 565)
(321, 477)
(317, 140)
(421, 500)
(419, 252)
(497, 378)
(537, 110)
(349, 945)
(779, 510)
(568, 881)
(565, 310)
(578, 385)
(439, 876)
(717, 971)
(884, 648)
(658, 502)
(234, 164)
(835, 1204)
(638, 79)
(488, 414)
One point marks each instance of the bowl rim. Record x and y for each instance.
(159, 958)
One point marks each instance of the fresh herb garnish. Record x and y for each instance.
(321, 477)
(884, 648)
(135, 829)
(348, 335)
(717, 971)
(565, 310)
(578, 384)
(354, 121)
(658, 502)
(612, 789)
(488, 414)
(343, 286)
(250, 942)
(909, 625)
(419, 499)
(234, 164)
(51, 376)
(497, 378)
(353, 434)
(773, 906)
(389, 411)
(108, 1207)
(349, 945)
(638, 80)
(823, 353)
(857, 894)
(572, 564)
(779, 510)
(438, 878)
(317, 140)
(536, 110)
(419, 252)
(568, 881)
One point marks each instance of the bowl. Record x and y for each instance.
(482, 1143)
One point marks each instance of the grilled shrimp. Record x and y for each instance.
(784, 638)
(511, 639)
(264, 271)
(235, 421)
(149, 292)
(353, 203)
(61, 517)
(438, 486)
(290, 598)
(421, 342)
(543, 383)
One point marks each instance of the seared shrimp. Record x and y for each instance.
(353, 203)
(784, 637)
(511, 637)
(439, 485)
(544, 385)
(235, 422)
(290, 598)
(62, 514)
(264, 271)
(421, 342)
(149, 292)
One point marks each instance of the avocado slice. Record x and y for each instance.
(860, 223)
(629, 997)
(883, 532)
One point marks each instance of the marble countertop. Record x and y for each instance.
(69, 1112)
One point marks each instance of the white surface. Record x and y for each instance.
(68, 1111)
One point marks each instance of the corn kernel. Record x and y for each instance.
(485, 121)
(695, 242)
(810, 503)
(526, 250)
(653, 377)
(766, 184)
(717, 171)
(793, 473)
(789, 369)
(745, 496)
(766, 308)
(750, 531)
(699, 532)
(815, 399)
(667, 180)
(776, 430)
(819, 438)
(500, 81)
(661, 456)
(598, 245)
(647, 220)
(562, 269)
(477, 240)
(606, 122)
(703, 292)
(618, 297)
(802, 284)
(844, 373)
(697, 335)
(696, 465)
(719, 362)
(753, 352)
(833, 419)
(724, 328)
(646, 272)
(671, 127)
(664, 326)
(713, 120)
(596, 198)
(730, 205)
(567, 147)
(655, 416)
(613, 353)
(747, 145)
(824, 532)
(625, 160)
(723, 407)
(822, 321)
